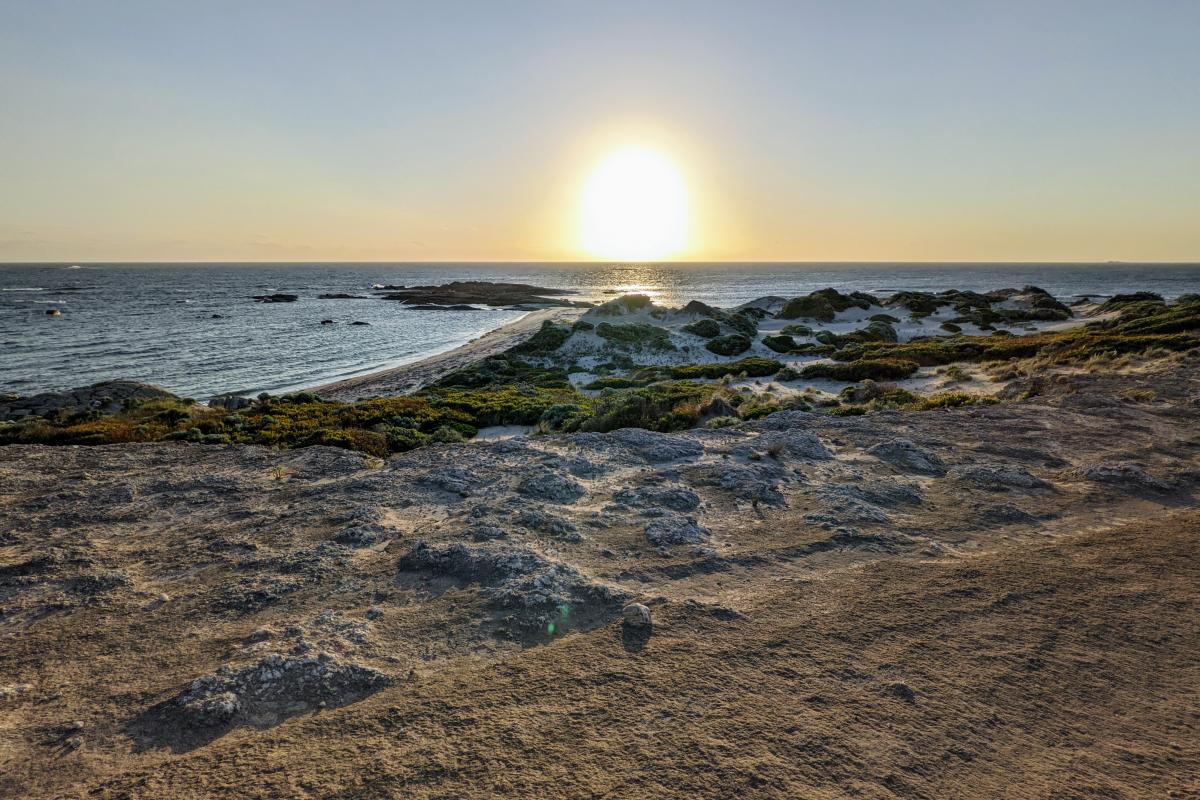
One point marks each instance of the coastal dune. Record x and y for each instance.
(408, 378)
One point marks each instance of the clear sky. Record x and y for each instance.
(841, 130)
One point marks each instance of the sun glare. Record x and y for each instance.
(634, 207)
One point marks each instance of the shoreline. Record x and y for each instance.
(407, 378)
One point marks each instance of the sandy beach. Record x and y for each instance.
(407, 378)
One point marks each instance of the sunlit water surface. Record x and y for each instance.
(155, 323)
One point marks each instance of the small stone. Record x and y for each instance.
(260, 635)
(636, 615)
(164, 598)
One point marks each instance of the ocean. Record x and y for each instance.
(195, 330)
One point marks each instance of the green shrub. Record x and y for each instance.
(796, 330)
(616, 382)
(780, 343)
(753, 367)
(636, 336)
(879, 369)
(729, 345)
(704, 328)
(548, 338)
(810, 307)
(663, 407)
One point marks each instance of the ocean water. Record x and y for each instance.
(155, 322)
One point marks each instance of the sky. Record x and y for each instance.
(459, 131)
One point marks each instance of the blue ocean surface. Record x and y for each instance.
(195, 330)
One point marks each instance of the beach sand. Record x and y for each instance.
(408, 378)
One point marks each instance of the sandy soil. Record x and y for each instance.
(979, 602)
(410, 377)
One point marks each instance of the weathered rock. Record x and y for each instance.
(476, 292)
(362, 535)
(675, 529)
(277, 298)
(675, 498)
(107, 397)
(636, 615)
(551, 487)
(907, 456)
(794, 444)
(520, 580)
(274, 688)
(998, 477)
(658, 447)
(251, 595)
(456, 480)
(230, 402)
(539, 519)
(1123, 474)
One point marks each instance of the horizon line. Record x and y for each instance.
(592, 263)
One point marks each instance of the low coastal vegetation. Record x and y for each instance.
(531, 384)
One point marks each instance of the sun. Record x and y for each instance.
(634, 207)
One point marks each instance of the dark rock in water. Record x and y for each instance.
(460, 293)
(107, 397)
(277, 298)
(342, 297)
(217, 316)
(435, 307)
(53, 312)
(326, 322)
(359, 322)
